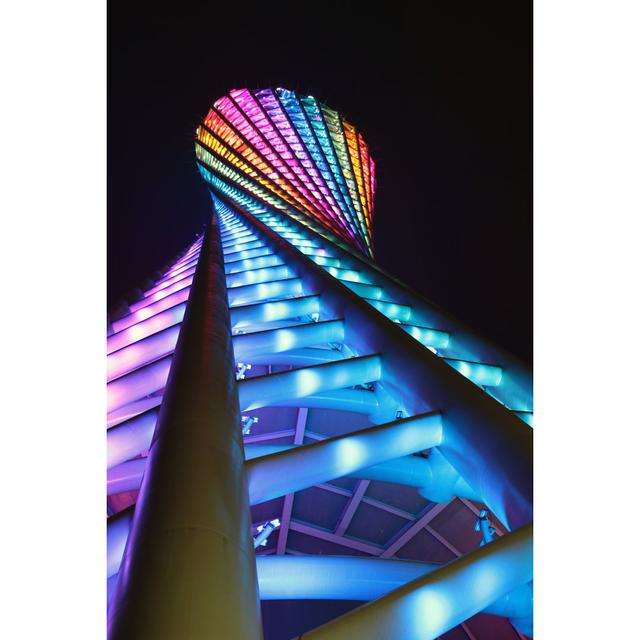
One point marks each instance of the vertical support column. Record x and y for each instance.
(189, 567)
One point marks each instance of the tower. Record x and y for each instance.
(293, 424)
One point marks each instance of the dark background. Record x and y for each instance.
(442, 92)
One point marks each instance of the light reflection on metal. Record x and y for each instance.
(294, 469)
(428, 606)
(316, 325)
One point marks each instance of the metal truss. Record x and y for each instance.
(274, 359)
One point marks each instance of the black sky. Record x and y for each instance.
(442, 92)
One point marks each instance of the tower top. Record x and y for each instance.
(291, 152)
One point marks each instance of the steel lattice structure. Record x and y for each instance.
(288, 422)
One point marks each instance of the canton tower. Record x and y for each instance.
(299, 445)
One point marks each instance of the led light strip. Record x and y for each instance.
(293, 152)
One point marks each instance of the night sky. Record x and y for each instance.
(443, 96)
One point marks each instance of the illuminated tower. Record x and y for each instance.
(290, 424)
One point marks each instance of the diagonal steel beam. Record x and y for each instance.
(470, 634)
(332, 488)
(442, 599)
(271, 389)
(287, 508)
(502, 444)
(351, 507)
(414, 529)
(442, 540)
(285, 521)
(328, 536)
(272, 435)
(383, 506)
(294, 469)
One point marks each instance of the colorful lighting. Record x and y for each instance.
(294, 154)
(274, 312)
